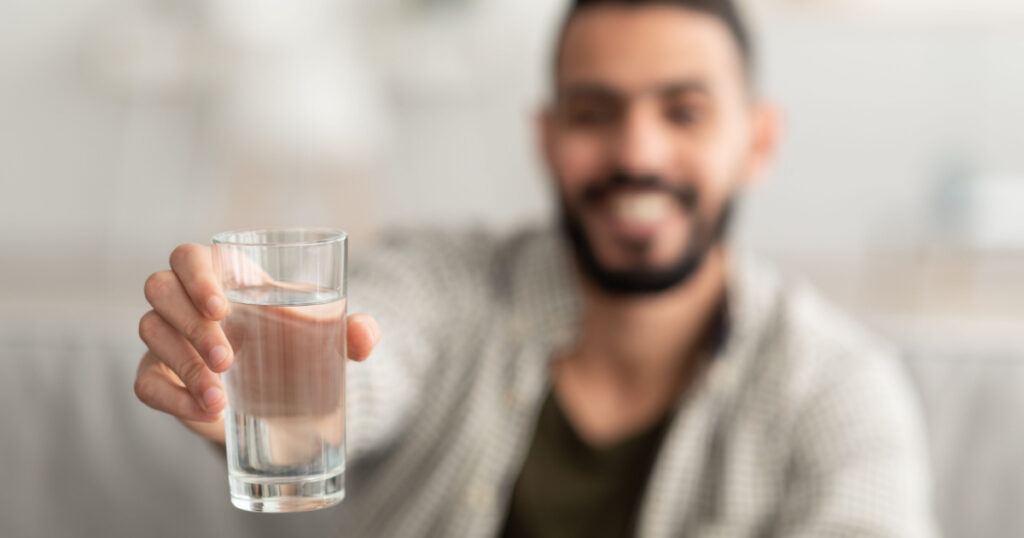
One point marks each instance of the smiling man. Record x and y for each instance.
(626, 373)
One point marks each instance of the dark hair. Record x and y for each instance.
(724, 10)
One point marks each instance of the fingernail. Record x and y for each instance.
(218, 355)
(214, 305)
(212, 396)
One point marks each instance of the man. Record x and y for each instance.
(626, 374)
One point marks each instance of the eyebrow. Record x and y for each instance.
(603, 91)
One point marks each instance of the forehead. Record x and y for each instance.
(632, 47)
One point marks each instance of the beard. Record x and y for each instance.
(707, 233)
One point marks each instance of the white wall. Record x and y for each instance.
(116, 145)
(876, 113)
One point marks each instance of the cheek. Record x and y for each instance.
(576, 160)
(720, 167)
(730, 157)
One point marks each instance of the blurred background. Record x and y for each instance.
(131, 127)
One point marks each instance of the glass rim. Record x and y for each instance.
(229, 238)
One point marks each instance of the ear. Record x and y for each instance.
(766, 120)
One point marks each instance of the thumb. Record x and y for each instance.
(363, 334)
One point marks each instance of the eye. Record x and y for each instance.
(681, 115)
(589, 115)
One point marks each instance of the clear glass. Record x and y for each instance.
(285, 419)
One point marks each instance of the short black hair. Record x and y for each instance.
(724, 10)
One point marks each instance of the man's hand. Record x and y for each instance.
(187, 348)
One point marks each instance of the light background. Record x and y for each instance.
(131, 127)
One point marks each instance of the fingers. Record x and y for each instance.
(167, 295)
(214, 431)
(194, 268)
(171, 348)
(157, 387)
(363, 335)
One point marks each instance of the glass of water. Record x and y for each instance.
(285, 418)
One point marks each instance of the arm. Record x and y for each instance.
(419, 287)
(859, 465)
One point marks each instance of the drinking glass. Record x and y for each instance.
(285, 418)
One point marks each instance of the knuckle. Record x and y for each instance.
(195, 329)
(149, 324)
(144, 389)
(158, 285)
(182, 253)
(192, 372)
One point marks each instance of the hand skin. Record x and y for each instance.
(188, 349)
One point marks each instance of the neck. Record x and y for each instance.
(650, 341)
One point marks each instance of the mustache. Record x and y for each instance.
(685, 194)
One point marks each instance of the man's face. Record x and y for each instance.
(650, 136)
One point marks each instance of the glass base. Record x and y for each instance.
(276, 495)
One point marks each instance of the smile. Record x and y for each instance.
(640, 208)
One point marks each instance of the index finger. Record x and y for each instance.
(194, 267)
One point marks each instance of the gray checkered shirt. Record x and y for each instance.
(803, 425)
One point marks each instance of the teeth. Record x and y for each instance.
(640, 208)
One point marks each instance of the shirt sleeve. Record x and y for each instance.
(859, 465)
(419, 287)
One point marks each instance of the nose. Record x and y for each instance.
(642, 146)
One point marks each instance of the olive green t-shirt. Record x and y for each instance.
(568, 489)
